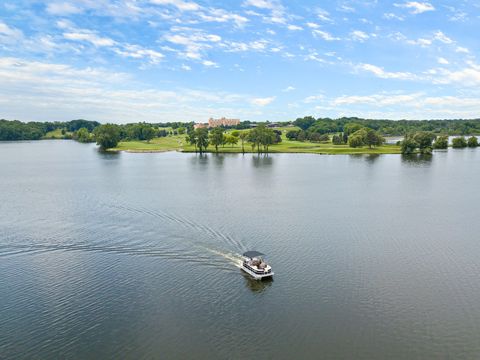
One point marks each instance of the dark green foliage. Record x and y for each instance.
(278, 136)
(365, 137)
(459, 142)
(317, 137)
(262, 137)
(292, 134)
(472, 141)
(391, 127)
(302, 136)
(16, 130)
(217, 138)
(173, 125)
(162, 133)
(230, 139)
(355, 141)
(243, 125)
(351, 128)
(409, 145)
(181, 130)
(140, 131)
(201, 139)
(424, 140)
(76, 125)
(82, 135)
(337, 140)
(304, 123)
(441, 142)
(107, 136)
(244, 137)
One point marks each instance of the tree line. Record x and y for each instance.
(17, 130)
(424, 142)
(389, 127)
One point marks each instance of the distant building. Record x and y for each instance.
(200, 126)
(222, 122)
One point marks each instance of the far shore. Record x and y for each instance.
(178, 143)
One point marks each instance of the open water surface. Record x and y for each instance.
(136, 256)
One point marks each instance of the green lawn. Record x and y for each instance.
(56, 134)
(178, 143)
(169, 143)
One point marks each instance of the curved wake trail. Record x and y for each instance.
(141, 248)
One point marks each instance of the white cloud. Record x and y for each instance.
(417, 7)
(442, 61)
(324, 35)
(358, 35)
(9, 35)
(420, 42)
(440, 36)
(312, 25)
(294, 27)
(466, 77)
(209, 63)
(263, 101)
(392, 16)
(277, 11)
(288, 89)
(407, 106)
(313, 98)
(194, 42)
(58, 92)
(222, 16)
(186, 67)
(137, 52)
(463, 50)
(381, 73)
(90, 37)
(63, 8)
(179, 4)
(376, 99)
(346, 8)
(323, 15)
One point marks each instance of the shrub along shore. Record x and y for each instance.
(304, 135)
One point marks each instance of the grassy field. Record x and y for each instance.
(178, 143)
(169, 143)
(56, 134)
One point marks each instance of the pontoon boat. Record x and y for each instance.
(255, 265)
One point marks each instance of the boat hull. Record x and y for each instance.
(257, 276)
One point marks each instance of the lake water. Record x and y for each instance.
(135, 256)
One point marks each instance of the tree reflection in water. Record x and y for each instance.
(417, 159)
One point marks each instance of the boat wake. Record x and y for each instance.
(196, 247)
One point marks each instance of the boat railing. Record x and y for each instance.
(257, 271)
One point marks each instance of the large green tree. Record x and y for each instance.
(365, 137)
(201, 139)
(261, 138)
(305, 122)
(472, 141)
(191, 137)
(82, 135)
(424, 140)
(441, 142)
(409, 145)
(107, 136)
(231, 140)
(459, 142)
(217, 138)
(243, 136)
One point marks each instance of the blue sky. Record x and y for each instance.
(187, 60)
